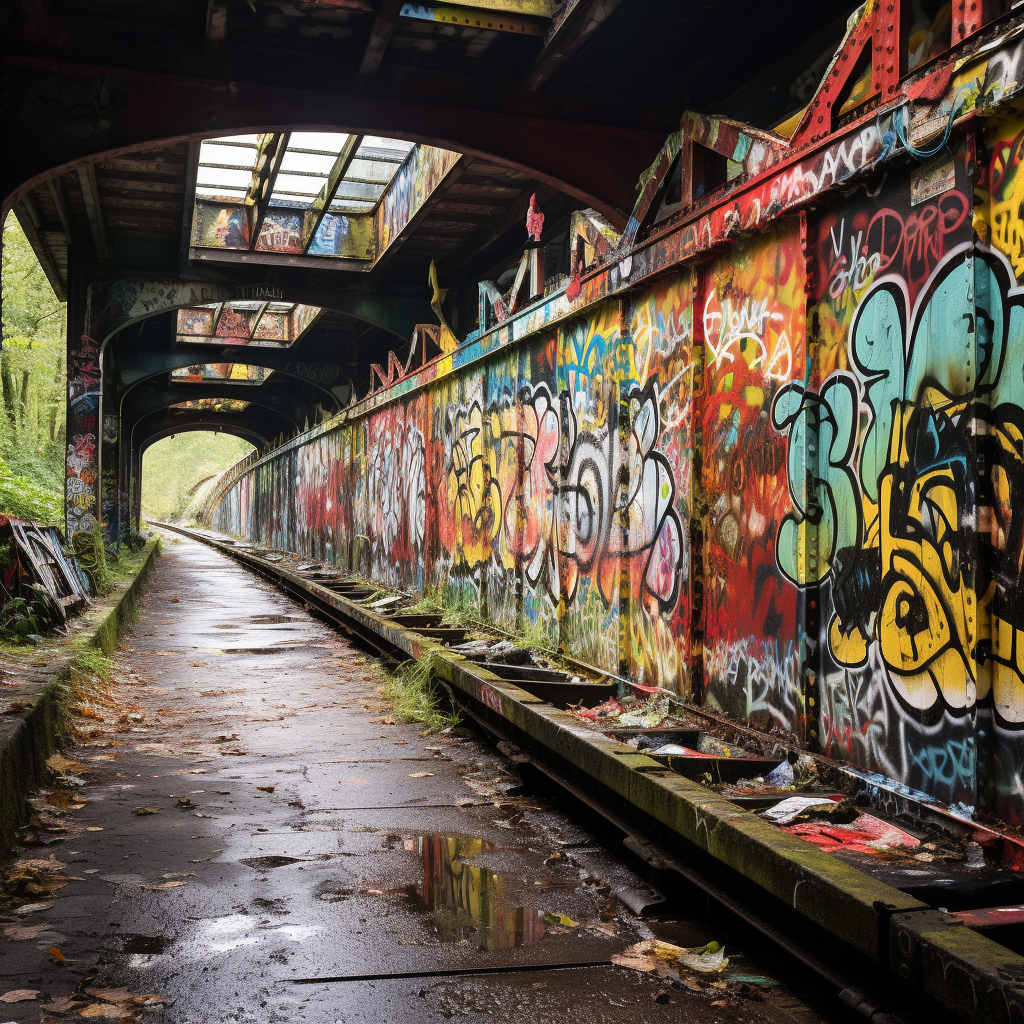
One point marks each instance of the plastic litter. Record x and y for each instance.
(655, 955)
(792, 807)
(782, 776)
(867, 834)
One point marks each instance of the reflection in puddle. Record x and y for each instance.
(467, 901)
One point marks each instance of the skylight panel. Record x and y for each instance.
(235, 373)
(223, 177)
(370, 170)
(324, 142)
(235, 156)
(396, 149)
(244, 322)
(299, 184)
(308, 163)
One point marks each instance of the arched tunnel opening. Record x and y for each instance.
(522, 494)
(178, 469)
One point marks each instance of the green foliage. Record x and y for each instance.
(431, 603)
(18, 622)
(104, 569)
(173, 467)
(32, 386)
(461, 610)
(412, 693)
(23, 498)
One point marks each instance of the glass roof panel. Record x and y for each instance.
(224, 176)
(236, 373)
(236, 156)
(398, 149)
(259, 324)
(226, 168)
(213, 405)
(327, 142)
(310, 163)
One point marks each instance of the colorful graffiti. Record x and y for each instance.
(237, 373)
(418, 176)
(223, 227)
(782, 482)
(81, 482)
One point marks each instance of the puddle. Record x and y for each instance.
(265, 863)
(469, 902)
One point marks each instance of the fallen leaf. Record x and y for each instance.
(40, 664)
(63, 1005)
(375, 892)
(24, 932)
(266, 789)
(654, 955)
(31, 908)
(178, 874)
(110, 995)
(559, 919)
(57, 955)
(203, 860)
(175, 600)
(17, 706)
(166, 885)
(146, 810)
(421, 775)
(401, 742)
(111, 1010)
(93, 828)
(19, 995)
(198, 664)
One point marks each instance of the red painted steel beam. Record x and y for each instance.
(598, 164)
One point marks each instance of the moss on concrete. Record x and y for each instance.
(31, 736)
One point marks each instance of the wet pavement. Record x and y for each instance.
(244, 833)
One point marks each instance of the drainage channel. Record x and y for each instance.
(725, 893)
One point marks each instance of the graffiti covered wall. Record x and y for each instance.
(782, 482)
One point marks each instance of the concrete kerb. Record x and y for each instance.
(30, 736)
(977, 978)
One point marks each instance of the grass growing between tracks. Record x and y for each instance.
(415, 697)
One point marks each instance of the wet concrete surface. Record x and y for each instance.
(242, 819)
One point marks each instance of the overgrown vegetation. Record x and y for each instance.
(105, 570)
(32, 386)
(413, 694)
(174, 467)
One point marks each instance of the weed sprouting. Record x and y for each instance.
(430, 603)
(413, 695)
